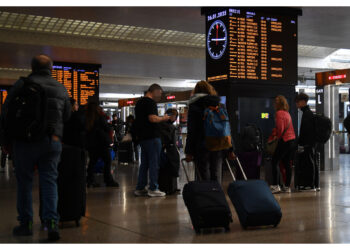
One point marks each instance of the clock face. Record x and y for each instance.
(217, 39)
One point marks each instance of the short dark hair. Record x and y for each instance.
(302, 97)
(154, 87)
(40, 62)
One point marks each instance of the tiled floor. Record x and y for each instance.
(114, 215)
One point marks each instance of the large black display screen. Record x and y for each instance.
(249, 45)
(80, 80)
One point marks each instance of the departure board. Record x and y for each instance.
(251, 45)
(80, 80)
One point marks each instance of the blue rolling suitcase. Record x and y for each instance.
(206, 204)
(254, 203)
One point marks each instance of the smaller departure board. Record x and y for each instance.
(81, 80)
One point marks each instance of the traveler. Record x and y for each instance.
(147, 132)
(170, 157)
(306, 168)
(74, 133)
(208, 163)
(286, 145)
(99, 140)
(42, 148)
(118, 127)
(130, 130)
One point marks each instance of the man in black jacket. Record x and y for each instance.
(45, 153)
(307, 173)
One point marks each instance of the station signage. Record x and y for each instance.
(333, 77)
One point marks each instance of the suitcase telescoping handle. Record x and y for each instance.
(240, 167)
(183, 161)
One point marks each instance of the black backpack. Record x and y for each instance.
(323, 128)
(251, 138)
(347, 123)
(26, 116)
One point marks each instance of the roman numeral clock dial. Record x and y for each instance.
(217, 39)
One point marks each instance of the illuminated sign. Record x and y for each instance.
(81, 80)
(129, 102)
(337, 77)
(171, 97)
(247, 44)
(333, 77)
(264, 115)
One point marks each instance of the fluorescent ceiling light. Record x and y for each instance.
(118, 95)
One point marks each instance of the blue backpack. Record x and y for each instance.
(217, 128)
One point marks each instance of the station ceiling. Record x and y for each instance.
(141, 45)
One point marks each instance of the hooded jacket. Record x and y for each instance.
(59, 107)
(195, 124)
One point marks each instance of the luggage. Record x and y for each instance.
(206, 204)
(169, 169)
(100, 164)
(323, 128)
(72, 184)
(251, 138)
(125, 152)
(166, 180)
(254, 203)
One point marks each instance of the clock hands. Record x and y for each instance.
(217, 33)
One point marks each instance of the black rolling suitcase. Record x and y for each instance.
(125, 152)
(206, 204)
(254, 203)
(72, 184)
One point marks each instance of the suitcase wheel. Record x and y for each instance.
(77, 223)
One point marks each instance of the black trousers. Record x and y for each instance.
(209, 165)
(94, 155)
(307, 170)
(284, 152)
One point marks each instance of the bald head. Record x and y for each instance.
(41, 62)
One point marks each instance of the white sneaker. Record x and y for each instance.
(318, 189)
(286, 190)
(275, 189)
(156, 193)
(140, 192)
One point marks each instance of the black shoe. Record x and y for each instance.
(24, 229)
(112, 184)
(52, 230)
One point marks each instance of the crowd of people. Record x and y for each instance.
(88, 128)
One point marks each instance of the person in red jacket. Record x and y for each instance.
(286, 145)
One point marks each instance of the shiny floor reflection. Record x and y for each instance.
(114, 215)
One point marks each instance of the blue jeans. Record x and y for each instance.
(46, 155)
(150, 160)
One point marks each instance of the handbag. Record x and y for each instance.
(272, 145)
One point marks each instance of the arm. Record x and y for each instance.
(67, 107)
(158, 119)
(191, 139)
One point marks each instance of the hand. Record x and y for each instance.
(166, 117)
(231, 156)
(189, 158)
